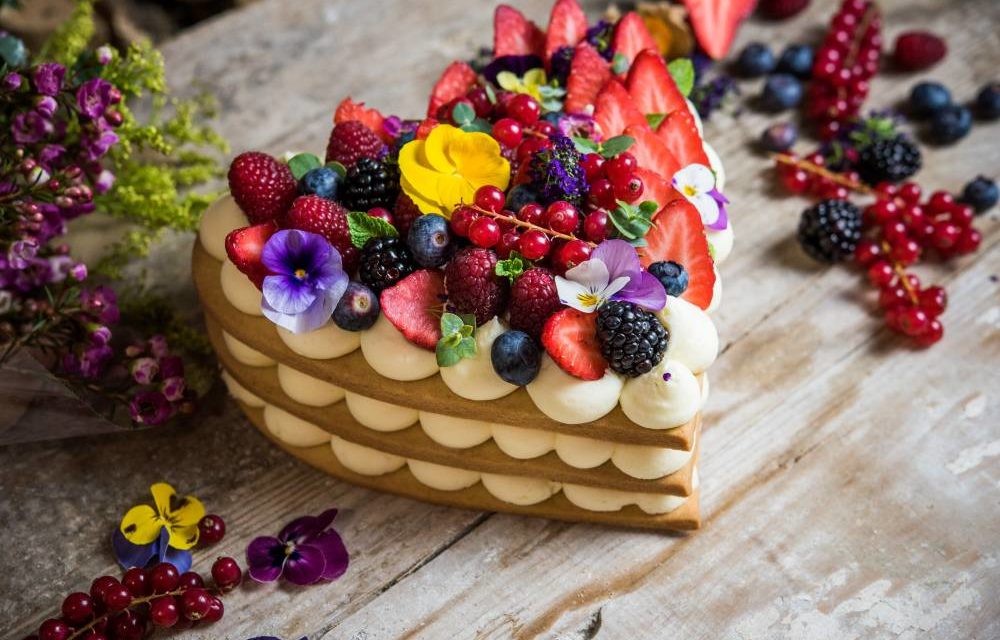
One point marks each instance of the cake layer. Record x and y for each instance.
(352, 373)
(412, 442)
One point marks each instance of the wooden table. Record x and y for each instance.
(851, 485)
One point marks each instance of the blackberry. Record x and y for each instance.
(830, 230)
(633, 340)
(384, 262)
(371, 183)
(889, 160)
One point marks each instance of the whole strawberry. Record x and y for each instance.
(352, 140)
(263, 187)
(533, 298)
(473, 286)
(328, 219)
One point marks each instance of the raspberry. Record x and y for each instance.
(916, 50)
(472, 284)
(533, 298)
(350, 141)
(404, 212)
(263, 187)
(328, 219)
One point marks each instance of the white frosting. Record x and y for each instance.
(648, 463)
(329, 341)
(239, 291)
(440, 477)
(474, 378)
(598, 499)
(221, 217)
(704, 389)
(292, 429)
(716, 294)
(694, 340)
(721, 241)
(240, 392)
(378, 415)
(245, 354)
(392, 355)
(457, 433)
(364, 460)
(655, 403)
(521, 443)
(583, 453)
(715, 163)
(570, 400)
(518, 489)
(306, 389)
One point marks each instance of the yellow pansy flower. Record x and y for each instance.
(142, 524)
(445, 170)
(530, 84)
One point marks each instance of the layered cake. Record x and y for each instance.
(504, 305)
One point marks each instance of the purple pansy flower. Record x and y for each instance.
(94, 97)
(518, 65)
(613, 272)
(696, 183)
(306, 551)
(578, 125)
(49, 78)
(308, 280)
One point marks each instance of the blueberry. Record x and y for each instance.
(781, 91)
(671, 275)
(981, 194)
(797, 59)
(321, 181)
(430, 240)
(516, 357)
(358, 308)
(755, 60)
(988, 101)
(950, 124)
(927, 98)
(520, 196)
(779, 137)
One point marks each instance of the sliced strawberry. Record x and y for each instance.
(678, 234)
(715, 22)
(414, 304)
(680, 133)
(651, 152)
(656, 187)
(567, 26)
(454, 83)
(570, 338)
(652, 87)
(351, 110)
(244, 246)
(631, 37)
(515, 35)
(614, 110)
(588, 73)
(425, 127)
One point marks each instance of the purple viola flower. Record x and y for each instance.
(102, 303)
(578, 125)
(131, 555)
(49, 78)
(144, 370)
(613, 272)
(30, 127)
(308, 280)
(150, 407)
(306, 551)
(518, 65)
(94, 97)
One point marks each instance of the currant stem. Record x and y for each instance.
(135, 602)
(821, 171)
(517, 222)
(901, 274)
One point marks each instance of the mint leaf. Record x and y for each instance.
(682, 71)
(633, 222)
(512, 267)
(339, 168)
(447, 356)
(654, 120)
(619, 64)
(303, 163)
(364, 227)
(457, 339)
(585, 145)
(477, 125)
(463, 114)
(613, 146)
(451, 323)
(648, 208)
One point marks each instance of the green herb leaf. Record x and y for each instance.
(682, 71)
(447, 356)
(585, 145)
(613, 146)
(339, 168)
(457, 339)
(463, 114)
(490, 93)
(633, 222)
(364, 227)
(302, 163)
(512, 267)
(655, 119)
(619, 64)
(477, 125)
(648, 208)
(451, 323)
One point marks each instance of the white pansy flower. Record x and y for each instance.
(588, 285)
(696, 182)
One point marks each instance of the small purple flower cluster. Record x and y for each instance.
(160, 390)
(556, 173)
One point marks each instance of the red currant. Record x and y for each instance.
(195, 603)
(484, 232)
(508, 242)
(164, 577)
(211, 529)
(880, 273)
(593, 166)
(892, 296)
(524, 109)
(602, 193)
(571, 254)
(945, 235)
(894, 232)
(913, 321)
(530, 147)
(881, 212)
(54, 629)
(532, 213)
(480, 101)
(595, 225)
(77, 608)
(629, 191)
(940, 201)
(931, 334)
(910, 192)
(215, 611)
(906, 252)
(968, 241)
(136, 580)
(117, 598)
(164, 612)
(886, 191)
(534, 244)
(562, 217)
(796, 181)
(961, 214)
(191, 579)
(226, 573)
(461, 219)
(490, 198)
(508, 132)
(934, 300)
(621, 167)
(913, 216)
(867, 252)
(544, 127)
(100, 585)
(128, 626)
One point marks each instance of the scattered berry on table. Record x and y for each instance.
(830, 230)
(570, 338)
(327, 218)
(988, 101)
(322, 182)
(533, 298)
(384, 262)
(781, 91)
(927, 98)
(916, 50)
(755, 60)
(262, 186)
(473, 285)
(414, 306)
(950, 124)
(516, 357)
(371, 183)
(779, 137)
(981, 194)
(430, 240)
(781, 9)
(797, 59)
(211, 529)
(632, 339)
(888, 160)
(227, 573)
(351, 141)
(357, 309)
(671, 275)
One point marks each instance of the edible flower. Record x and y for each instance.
(306, 551)
(445, 170)
(307, 283)
(530, 83)
(613, 272)
(165, 532)
(696, 182)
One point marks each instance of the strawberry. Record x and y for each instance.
(917, 50)
(656, 187)
(588, 73)
(328, 219)
(454, 83)
(715, 21)
(263, 187)
(515, 35)
(425, 127)
(680, 133)
(350, 110)
(570, 338)
(631, 36)
(651, 152)
(678, 234)
(652, 87)
(414, 304)
(244, 246)
(567, 26)
(615, 110)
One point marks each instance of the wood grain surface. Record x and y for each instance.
(850, 484)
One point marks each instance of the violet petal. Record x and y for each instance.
(265, 558)
(619, 256)
(334, 553)
(645, 290)
(305, 565)
(131, 555)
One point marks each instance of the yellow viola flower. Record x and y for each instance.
(445, 170)
(142, 524)
(531, 83)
